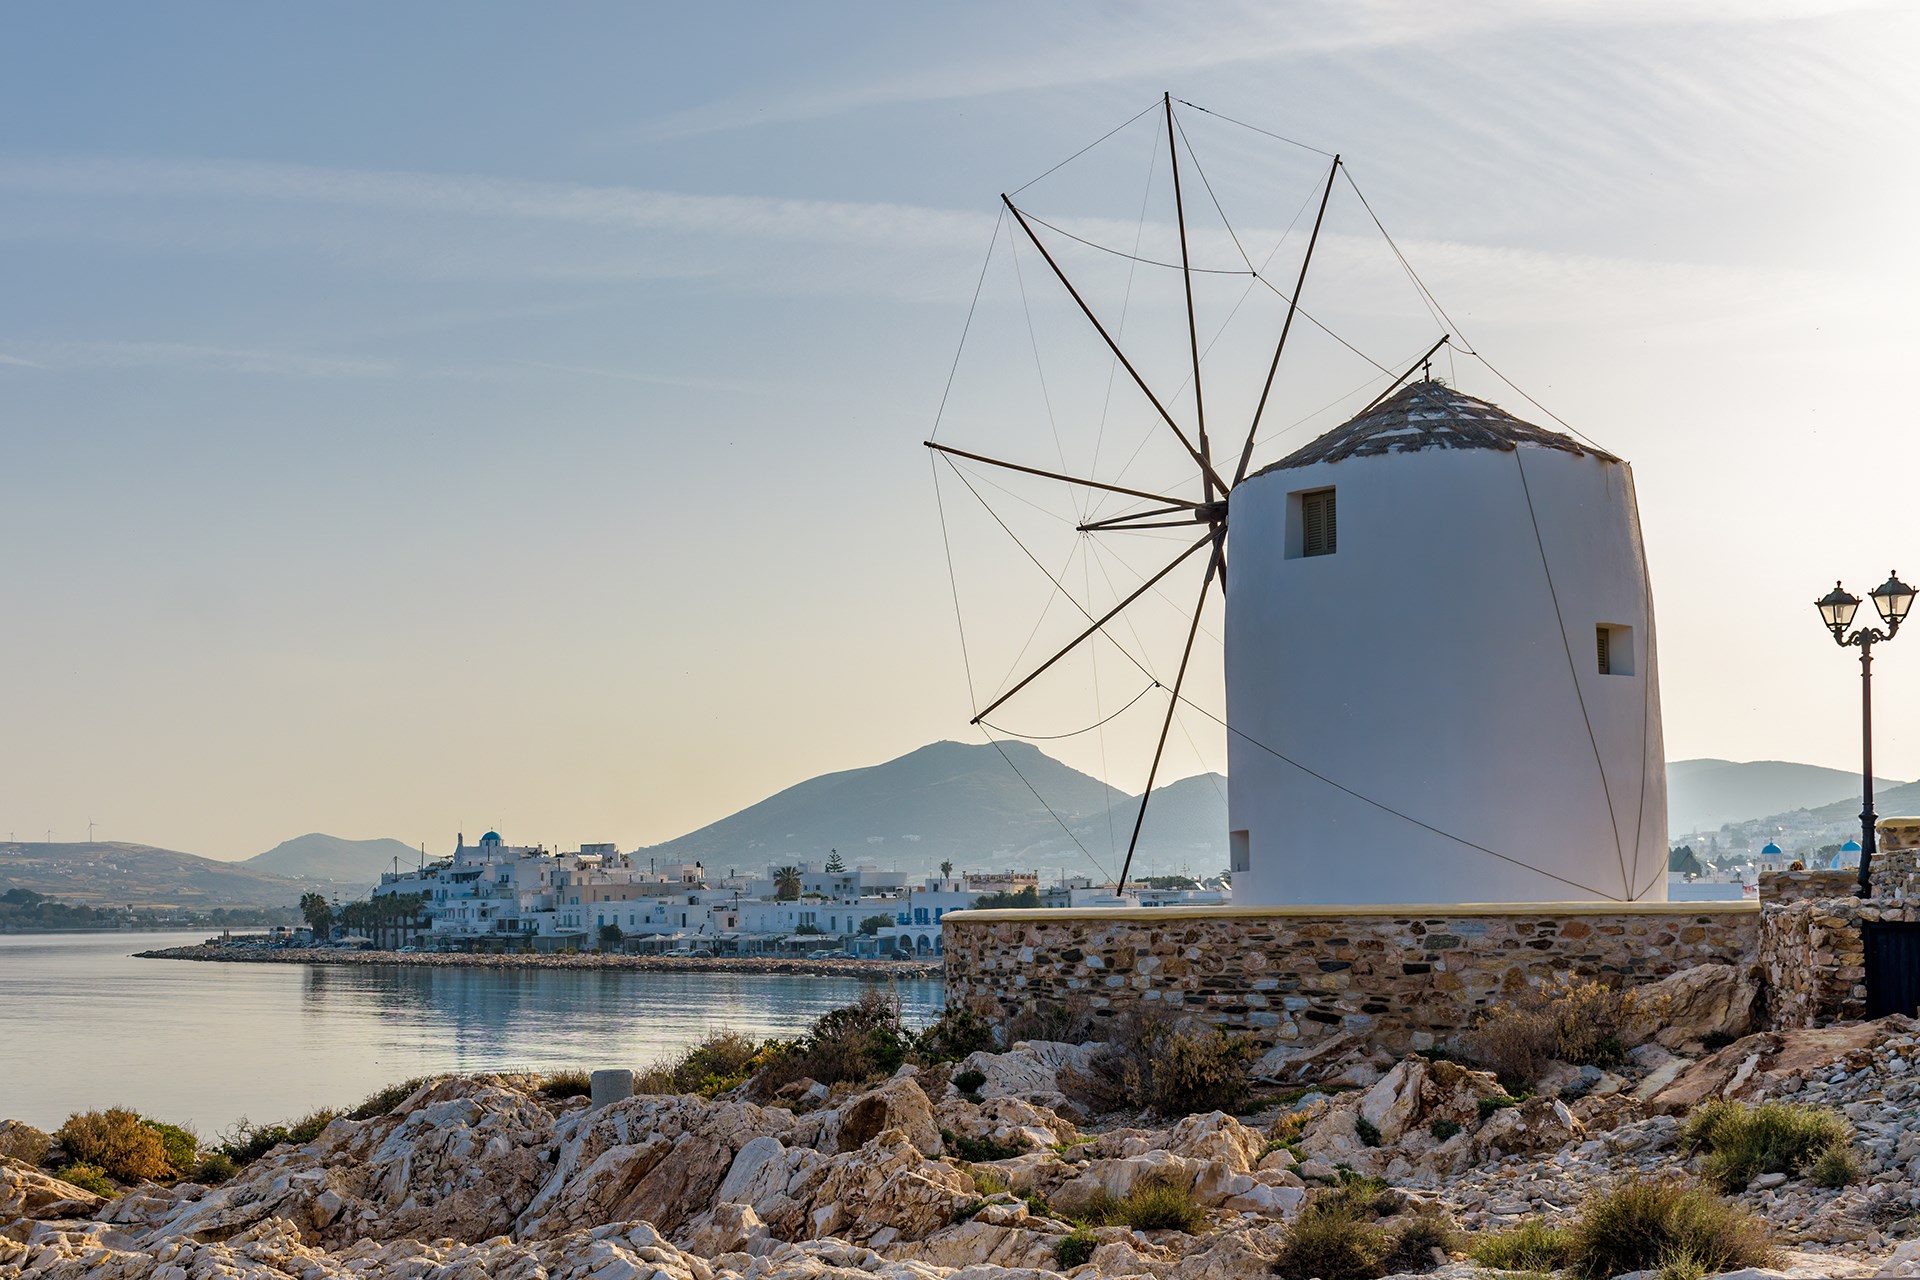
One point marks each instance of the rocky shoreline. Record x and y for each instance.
(819, 967)
(1006, 1166)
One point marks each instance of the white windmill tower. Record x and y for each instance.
(1440, 667)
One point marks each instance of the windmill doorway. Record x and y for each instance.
(1893, 967)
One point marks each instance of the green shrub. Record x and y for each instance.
(215, 1167)
(863, 1040)
(1155, 1205)
(1443, 1129)
(385, 1100)
(1413, 1244)
(311, 1125)
(1681, 1264)
(979, 1150)
(1744, 1142)
(956, 1033)
(87, 1177)
(246, 1141)
(182, 1147)
(988, 1183)
(566, 1084)
(969, 1081)
(722, 1061)
(1836, 1167)
(1645, 1223)
(1367, 1131)
(116, 1141)
(1531, 1246)
(1490, 1105)
(1331, 1241)
(1074, 1248)
(1151, 1062)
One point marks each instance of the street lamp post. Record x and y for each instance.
(1892, 599)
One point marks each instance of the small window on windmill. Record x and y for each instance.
(1311, 528)
(1613, 646)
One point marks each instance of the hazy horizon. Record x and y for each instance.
(424, 420)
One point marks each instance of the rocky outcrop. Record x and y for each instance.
(1693, 1005)
(1029, 1071)
(481, 1177)
(27, 1192)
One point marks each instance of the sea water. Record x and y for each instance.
(84, 1024)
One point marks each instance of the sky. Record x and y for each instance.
(419, 419)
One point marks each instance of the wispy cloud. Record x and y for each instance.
(191, 357)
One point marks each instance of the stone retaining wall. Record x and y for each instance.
(1408, 977)
(1802, 886)
(1812, 949)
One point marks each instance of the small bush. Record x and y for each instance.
(1836, 1167)
(1332, 1242)
(215, 1167)
(956, 1033)
(711, 1067)
(182, 1147)
(969, 1082)
(1367, 1131)
(1413, 1244)
(1531, 1246)
(1074, 1248)
(1154, 1206)
(116, 1141)
(1490, 1105)
(863, 1040)
(1151, 1062)
(1681, 1264)
(311, 1125)
(1744, 1142)
(384, 1100)
(979, 1150)
(1070, 1021)
(988, 1183)
(1644, 1223)
(1573, 1021)
(1443, 1129)
(87, 1177)
(566, 1084)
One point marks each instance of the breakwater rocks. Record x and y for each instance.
(908, 1178)
(821, 967)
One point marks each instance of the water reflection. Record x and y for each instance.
(82, 1024)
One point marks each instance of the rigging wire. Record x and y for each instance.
(1055, 737)
(1126, 306)
(1031, 216)
(965, 328)
(1043, 801)
(1090, 146)
(1386, 808)
(1573, 673)
(1292, 142)
(1040, 372)
(953, 582)
(1058, 590)
(1231, 234)
(1086, 578)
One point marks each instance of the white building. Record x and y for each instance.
(1441, 667)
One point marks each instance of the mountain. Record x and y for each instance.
(1703, 795)
(962, 802)
(117, 874)
(323, 857)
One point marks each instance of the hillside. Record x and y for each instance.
(960, 802)
(324, 857)
(117, 874)
(1703, 795)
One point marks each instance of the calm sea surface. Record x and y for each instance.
(83, 1024)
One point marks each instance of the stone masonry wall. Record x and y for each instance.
(1802, 886)
(1406, 977)
(1812, 950)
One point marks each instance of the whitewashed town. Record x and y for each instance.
(495, 895)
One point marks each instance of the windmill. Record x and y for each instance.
(1218, 455)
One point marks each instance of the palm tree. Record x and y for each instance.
(786, 882)
(946, 871)
(318, 914)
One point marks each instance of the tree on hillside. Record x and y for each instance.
(786, 882)
(318, 915)
(834, 865)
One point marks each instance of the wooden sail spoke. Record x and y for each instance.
(1179, 504)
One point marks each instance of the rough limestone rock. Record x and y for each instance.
(1122, 1177)
(988, 1239)
(1005, 1121)
(897, 1104)
(653, 1158)
(26, 1192)
(1030, 1071)
(1705, 1000)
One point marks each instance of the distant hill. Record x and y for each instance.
(117, 874)
(325, 857)
(1703, 795)
(961, 802)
